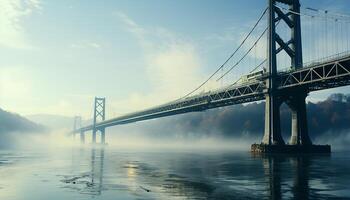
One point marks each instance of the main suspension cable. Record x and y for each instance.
(229, 58)
(239, 61)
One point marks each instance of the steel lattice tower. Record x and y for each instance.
(294, 98)
(99, 114)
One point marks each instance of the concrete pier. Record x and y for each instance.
(82, 137)
(103, 137)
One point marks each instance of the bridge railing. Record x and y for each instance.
(333, 57)
(327, 59)
(332, 73)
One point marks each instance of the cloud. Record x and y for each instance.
(174, 69)
(172, 65)
(14, 83)
(12, 33)
(61, 106)
(18, 89)
(131, 25)
(86, 45)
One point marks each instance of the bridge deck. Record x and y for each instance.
(331, 73)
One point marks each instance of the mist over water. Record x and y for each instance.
(56, 167)
(232, 128)
(196, 156)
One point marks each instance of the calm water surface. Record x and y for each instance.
(85, 173)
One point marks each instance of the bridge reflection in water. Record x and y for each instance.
(87, 172)
(208, 176)
(273, 167)
(97, 171)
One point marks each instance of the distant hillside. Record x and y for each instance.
(54, 121)
(14, 126)
(12, 122)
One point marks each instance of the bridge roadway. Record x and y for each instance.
(331, 73)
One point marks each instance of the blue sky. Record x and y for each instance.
(57, 55)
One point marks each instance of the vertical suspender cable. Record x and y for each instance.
(336, 36)
(341, 36)
(326, 32)
(315, 37)
(348, 36)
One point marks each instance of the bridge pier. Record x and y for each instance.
(300, 141)
(94, 131)
(82, 137)
(102, 138)
(299, 129)
(272, 134)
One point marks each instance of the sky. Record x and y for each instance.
(56, 56)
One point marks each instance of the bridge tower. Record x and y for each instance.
(295, 99)
(99, 114)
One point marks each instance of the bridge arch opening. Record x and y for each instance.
(286, 122)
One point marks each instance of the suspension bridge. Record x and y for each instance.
(279, 76)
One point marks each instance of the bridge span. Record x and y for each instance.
(332, 73)
(275, 87)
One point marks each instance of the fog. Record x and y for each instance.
(233, 127)
(328, 122)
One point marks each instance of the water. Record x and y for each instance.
(84, 173)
